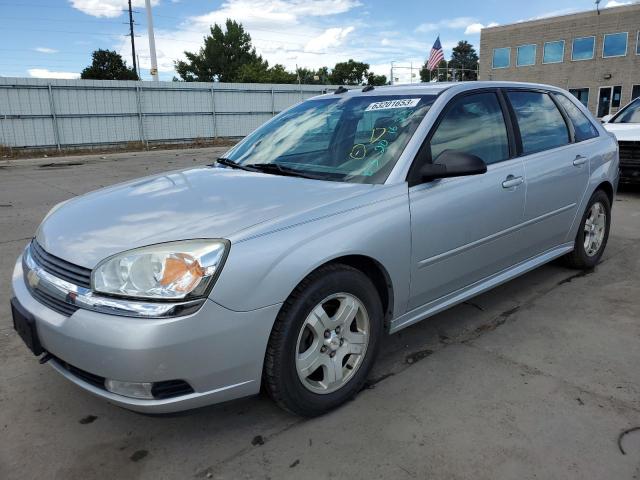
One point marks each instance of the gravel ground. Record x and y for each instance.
(535, 379)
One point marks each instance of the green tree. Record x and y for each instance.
(321, 76)
(440, 72)
(108, 65)
(223, 56)
(349, 73)
(373, 79)
(464, 62)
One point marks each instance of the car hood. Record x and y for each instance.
(196, 203)
(626, 132)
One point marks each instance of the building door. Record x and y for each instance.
(604, 101)
(635, 92)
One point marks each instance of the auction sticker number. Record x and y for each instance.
(390, 104)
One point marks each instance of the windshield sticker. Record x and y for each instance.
(389, 104)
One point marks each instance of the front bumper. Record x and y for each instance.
(629, 172)
(219, 352)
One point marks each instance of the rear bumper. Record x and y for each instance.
(218, 352)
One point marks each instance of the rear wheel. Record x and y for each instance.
(593, 233)
(324, 341)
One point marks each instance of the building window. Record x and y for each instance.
(583, 48)
(614, 45)
(638, 43)
(607, 99)
(635, 92)
(617, 96)
(581, 94)
(553, 52)
(526, 55)
(501, 57)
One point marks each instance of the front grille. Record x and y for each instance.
(159, 390)
(95, 380)
(629, 152)
(170, 388)
(60, 268)
(53, 303)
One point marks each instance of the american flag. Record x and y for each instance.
(436, 56)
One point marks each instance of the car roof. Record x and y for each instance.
(436, 88)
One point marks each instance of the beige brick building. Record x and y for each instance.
(595, 56)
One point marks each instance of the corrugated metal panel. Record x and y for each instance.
(40, 112)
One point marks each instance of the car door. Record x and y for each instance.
(464, 229)
(556, 168)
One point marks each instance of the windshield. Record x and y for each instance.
(350, 139)
(629, 114)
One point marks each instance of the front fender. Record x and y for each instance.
(264, 269)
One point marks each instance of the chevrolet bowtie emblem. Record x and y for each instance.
(33, 279)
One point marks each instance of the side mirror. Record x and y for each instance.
(606, 118)
(452, 163)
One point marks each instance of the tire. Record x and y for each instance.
(302, 365)
(587, 258)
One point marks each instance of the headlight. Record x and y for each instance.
(167, 271)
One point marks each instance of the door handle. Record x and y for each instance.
(579, 160)
(512, 181)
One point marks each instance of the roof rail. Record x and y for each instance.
(340, 90)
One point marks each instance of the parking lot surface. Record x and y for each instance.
(538, 378)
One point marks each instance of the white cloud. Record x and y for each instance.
(45, 50)
(614, 3)
(332, 37)
(296, 32)
(474, 28)
(45, 73)
(106, 8)
(283, 31)
(451, 23)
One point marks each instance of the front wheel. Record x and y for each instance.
(593, 233)
(324, 341)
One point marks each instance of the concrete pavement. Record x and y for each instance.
(536, 379)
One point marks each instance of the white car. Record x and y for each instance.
(625, 125)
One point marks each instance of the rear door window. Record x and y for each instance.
(542, 126)
(473, 124)
(583, 127)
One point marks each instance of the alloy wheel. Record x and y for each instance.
(332, 343)
(594, 229)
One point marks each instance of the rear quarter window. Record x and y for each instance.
(583, 127)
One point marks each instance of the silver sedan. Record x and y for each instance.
(284, 264)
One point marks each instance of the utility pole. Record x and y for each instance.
(133, 42)
(152, 41)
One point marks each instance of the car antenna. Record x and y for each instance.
(368, 88)
(340, 90)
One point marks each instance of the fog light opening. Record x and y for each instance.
(140, 390)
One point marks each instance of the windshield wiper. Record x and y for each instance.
(276, 169)
(230, 163)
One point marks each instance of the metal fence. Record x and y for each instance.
(39, 113)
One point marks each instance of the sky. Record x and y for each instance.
(55, 38)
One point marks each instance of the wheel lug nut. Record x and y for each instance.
(341, 341)
(337, 329)
(332, 354)
(323, 349)
(327, 334)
